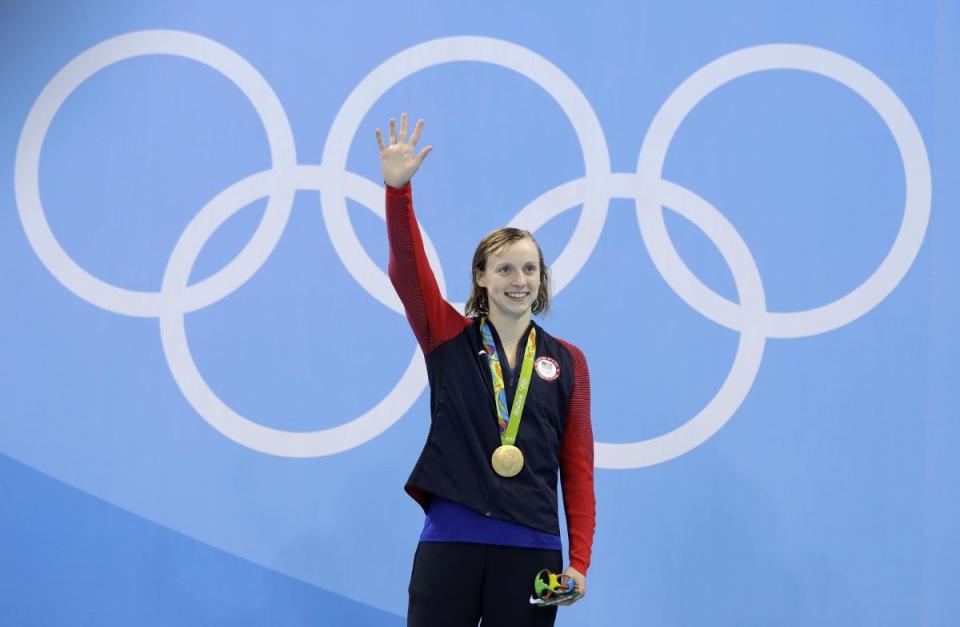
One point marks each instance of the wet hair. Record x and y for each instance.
(477, 304)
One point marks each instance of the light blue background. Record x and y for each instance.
(829, 498)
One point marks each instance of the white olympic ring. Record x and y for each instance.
(88, 63)
(878, 95)
(594, 191)
(173, 333)
(484, 50)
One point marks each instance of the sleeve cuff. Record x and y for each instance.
(398, 191)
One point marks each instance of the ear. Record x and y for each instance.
(480, 280)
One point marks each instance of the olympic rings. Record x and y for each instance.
(895, 115)
(485, 50)
(173, 333)
(88, 63)
(734, 250)
(593, 191)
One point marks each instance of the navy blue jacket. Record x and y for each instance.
(555, 432)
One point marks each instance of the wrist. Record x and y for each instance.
(400, 188)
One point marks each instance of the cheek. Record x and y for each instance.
(492, 281)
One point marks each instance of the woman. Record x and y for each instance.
(502, 424)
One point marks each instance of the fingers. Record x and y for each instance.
(380, 140)
(402, 137)
(579, 581)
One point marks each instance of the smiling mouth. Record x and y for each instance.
(518, 296)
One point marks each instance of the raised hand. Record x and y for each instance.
(397, 161)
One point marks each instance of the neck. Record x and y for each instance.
(509, 328)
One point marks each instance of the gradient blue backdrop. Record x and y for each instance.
(829, 498)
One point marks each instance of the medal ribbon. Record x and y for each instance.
(509, 422)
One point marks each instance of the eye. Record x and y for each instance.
(504, 269)
(530, 268)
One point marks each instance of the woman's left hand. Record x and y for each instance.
(398, 163)
(579, 582)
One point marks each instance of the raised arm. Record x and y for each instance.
(432, 319)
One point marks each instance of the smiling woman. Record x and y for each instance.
(489, 490)
(508, 262)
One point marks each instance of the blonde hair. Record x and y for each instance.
(477, 304)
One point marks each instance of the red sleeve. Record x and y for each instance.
(576, 466)
(432, 318)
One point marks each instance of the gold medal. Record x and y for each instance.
(507, 460)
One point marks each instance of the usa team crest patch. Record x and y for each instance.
(547, 369)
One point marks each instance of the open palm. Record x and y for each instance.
(397, 160)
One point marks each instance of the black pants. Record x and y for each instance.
(455, 584)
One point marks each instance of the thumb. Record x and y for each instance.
(423, 154)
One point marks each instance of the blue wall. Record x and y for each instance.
(210, 401)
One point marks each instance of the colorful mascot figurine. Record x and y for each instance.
(550, 589)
